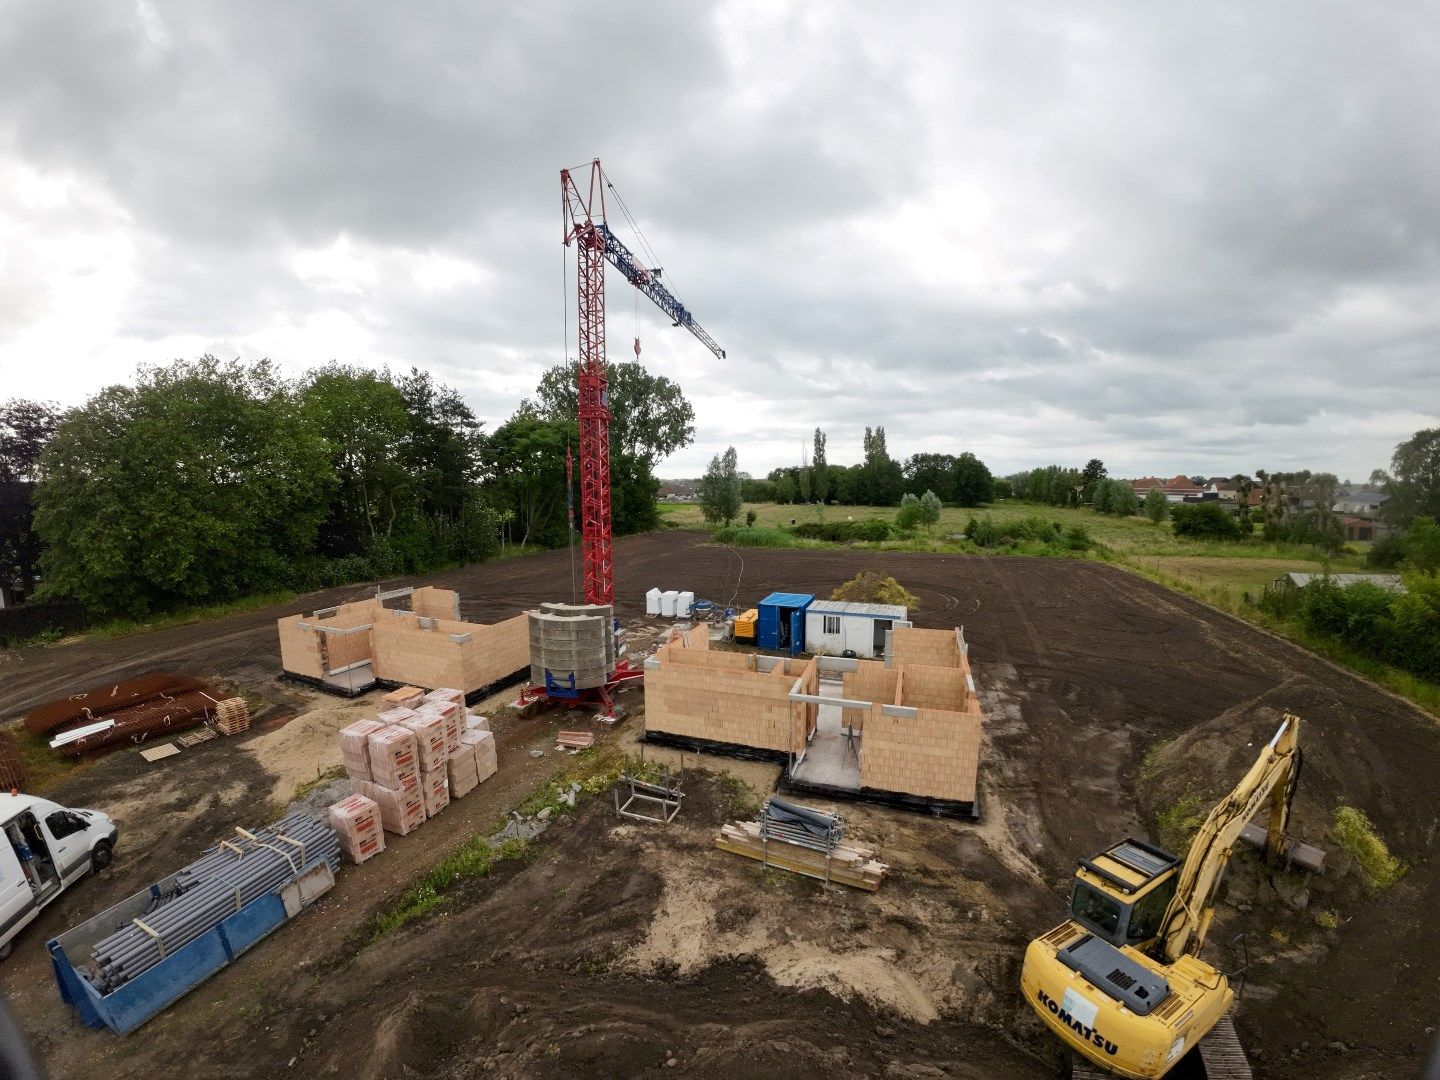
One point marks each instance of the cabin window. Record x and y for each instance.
(832, 624)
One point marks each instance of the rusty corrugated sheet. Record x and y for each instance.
(140, 722)
(106, 701)
(12, 771)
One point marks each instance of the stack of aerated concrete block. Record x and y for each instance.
(416, 755)
(357, 821)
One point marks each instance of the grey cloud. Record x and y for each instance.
(1208, 235)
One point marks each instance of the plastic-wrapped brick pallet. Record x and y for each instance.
(394, 761)
(431, 742)
(357, 821)
(486, 761)
(436, 786)
(449, 715)
(355, 748)
(462, 772)
(401, 812)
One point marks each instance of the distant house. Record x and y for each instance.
(1362, 502)
(1362, 529)
(1182, 489)
(1297, 580)
(1143, 486)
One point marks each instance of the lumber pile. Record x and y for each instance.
(846, 865)
(804, 841)
(196, 737)
(419, 753)
(232, 716)
(574, 740)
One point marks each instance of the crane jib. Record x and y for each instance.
(623, 259)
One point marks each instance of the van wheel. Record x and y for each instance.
(101, 857)
(6, 950)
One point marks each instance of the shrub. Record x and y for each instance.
(985, 532)
(912, 514)
(1386, 553)
(870, 530)
(1354, 833)
(749, 519)
(1204, 521)
(870, 588)
(1156, 506)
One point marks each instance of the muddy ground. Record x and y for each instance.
(1109, 697)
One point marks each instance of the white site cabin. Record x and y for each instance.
(64, 845)
(835, 627)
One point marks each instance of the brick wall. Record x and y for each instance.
(931, 648)
(436, 603)
(933, 687)
(299, 649)
(707, 695)
(871, 681)
(935, 753)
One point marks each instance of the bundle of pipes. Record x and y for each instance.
(215, 886)
(800, 825)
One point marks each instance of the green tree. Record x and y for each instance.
(1204, 521)
(931, 472)
(26, 428)
(525, 477)
(784, 488)
(820, 488)
(1421, 542)
(912, 514)
(971, 483)
(649, 416)
(363, 417)
(1414, 484)
(720, 489)
(202, 482)
(931, 505)
(1091, 475)
(1156, 506)
(882, 481)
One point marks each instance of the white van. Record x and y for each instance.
(44, 849)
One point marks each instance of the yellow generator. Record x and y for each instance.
(1120, 981)
(745, 625)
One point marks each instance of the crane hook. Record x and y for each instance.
(637, 348)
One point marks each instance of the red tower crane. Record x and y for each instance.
(595, 245)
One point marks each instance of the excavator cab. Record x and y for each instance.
(1121, 894)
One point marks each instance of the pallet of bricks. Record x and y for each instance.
(406, 765)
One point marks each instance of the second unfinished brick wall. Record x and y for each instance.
(701, 695)
(930, 648)
(935, 753)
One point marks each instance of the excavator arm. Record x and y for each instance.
(1272, 778)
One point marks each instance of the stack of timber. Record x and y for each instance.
(574, 740)
(232, 716)
(845, 864)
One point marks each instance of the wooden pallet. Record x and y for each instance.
(852, 866)
(575, 740)
(196, 737)
(232, 716)
(159, 753)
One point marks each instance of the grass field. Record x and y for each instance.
(1126, 537)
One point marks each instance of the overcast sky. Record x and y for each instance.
(1197, 238)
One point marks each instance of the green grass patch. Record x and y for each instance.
(765, 536)
(1357, 837)
(1178, 822)
(471, 860)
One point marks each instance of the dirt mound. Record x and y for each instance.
(1340, 763)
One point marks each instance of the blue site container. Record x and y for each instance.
(781, 625)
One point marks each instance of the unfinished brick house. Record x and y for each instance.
(350, 648)
(904, 731)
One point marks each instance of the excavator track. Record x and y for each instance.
(1220, 1050)
(1222, 1053)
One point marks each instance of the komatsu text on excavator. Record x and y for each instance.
(1121, 981)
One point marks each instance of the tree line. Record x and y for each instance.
(877, 479)
(207, 479)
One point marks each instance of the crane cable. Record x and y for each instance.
(640, 235)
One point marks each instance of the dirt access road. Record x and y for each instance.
(1085, 671)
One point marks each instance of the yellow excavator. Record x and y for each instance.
(1121, 981)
